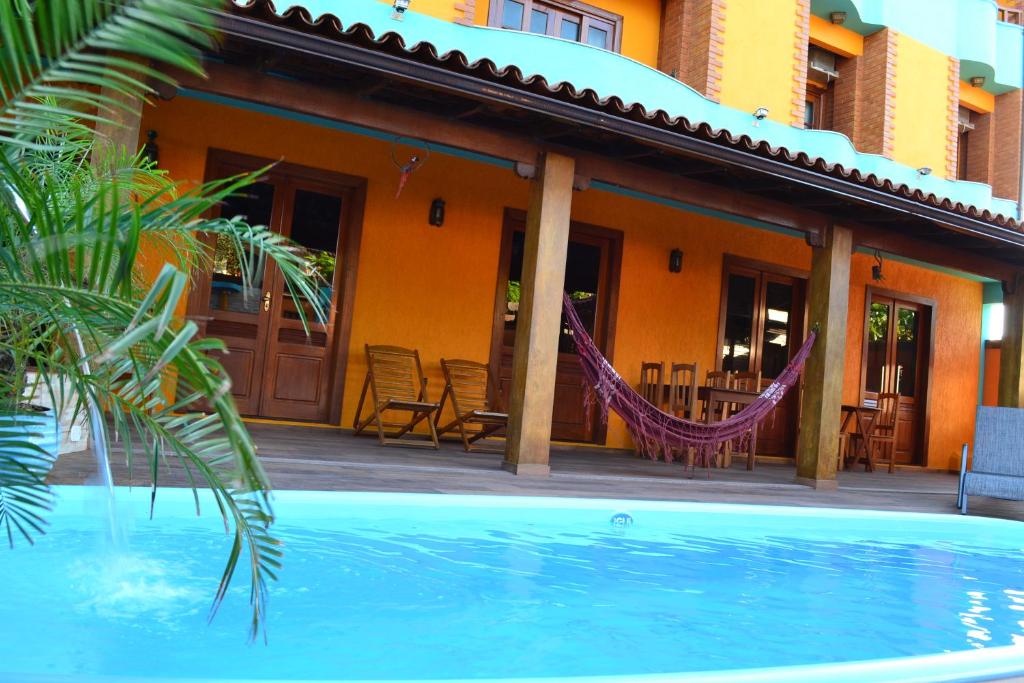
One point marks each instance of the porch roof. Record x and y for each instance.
(580, 89)
(608, 81)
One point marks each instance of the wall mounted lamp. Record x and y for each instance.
(925, 170)
(876, 270)
(437, 213)
(149, 149)
(760, 114)
(675, 261)
(400, 6)
(977, 81)
(837, 18)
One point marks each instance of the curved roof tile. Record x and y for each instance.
(328, 25)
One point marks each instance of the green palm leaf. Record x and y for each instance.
(50, 49)
(74, 304)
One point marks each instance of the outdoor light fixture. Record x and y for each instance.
(837, 17)
(876, 270)
(925, 170)
(400, 6)
(760, 114)
(977, 81)
(437, 212)
(675, 261)
(150, 150)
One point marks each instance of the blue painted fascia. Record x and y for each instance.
(612, 75)
(965, 29)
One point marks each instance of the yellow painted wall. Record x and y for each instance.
(433, 289)
(757, 65)
(957, 348)
(921, 116)
(641, 21)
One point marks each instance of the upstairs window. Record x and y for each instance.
(566, 19)
(1011, 15)
(966, 125)
(822, 72)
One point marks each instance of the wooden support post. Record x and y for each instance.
(121, 130)
(535, 358)
(821, 403)
(1011, 350)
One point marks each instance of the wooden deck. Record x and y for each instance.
(309, 458)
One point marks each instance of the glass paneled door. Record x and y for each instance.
(277, 369)
(896, 348)
(591, 279)
(761, 328)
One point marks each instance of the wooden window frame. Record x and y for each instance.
(821, 98)
(349, 246)
(744, 266)
(587, 13)
(929, 328)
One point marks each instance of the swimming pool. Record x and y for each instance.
(417, 587)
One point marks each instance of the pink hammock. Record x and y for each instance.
(653, 430)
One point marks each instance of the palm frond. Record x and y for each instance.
(82, 60)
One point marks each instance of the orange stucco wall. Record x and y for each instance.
(990, 390)
(641, 21)
(433, 289)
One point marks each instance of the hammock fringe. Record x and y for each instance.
(655, 432)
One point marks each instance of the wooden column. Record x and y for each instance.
(121, 130)
(1011, 350)
(535, 359)
(829, 290)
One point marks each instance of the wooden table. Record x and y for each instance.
(713, 396)
(863, 418)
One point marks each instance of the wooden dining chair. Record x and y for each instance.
(395, 384)
(652, 386)
(747, 381)
(682, 390)
(469, 386)
(719, 379)
(886, 430)
(682, 397)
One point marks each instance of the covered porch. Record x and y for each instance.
(526, 174)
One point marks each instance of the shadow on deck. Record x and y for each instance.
(312, 458)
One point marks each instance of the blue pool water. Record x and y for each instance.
(416, 587)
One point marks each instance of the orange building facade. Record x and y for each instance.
(425, 261)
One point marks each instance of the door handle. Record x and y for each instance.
(266, 301)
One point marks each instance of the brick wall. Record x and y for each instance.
(465, 12)
(691, 44)
(981, 149)
(1007, 164)
(865, 95)
(953, 117)
(801, 35)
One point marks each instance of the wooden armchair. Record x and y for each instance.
(395, 380)
(469, 385)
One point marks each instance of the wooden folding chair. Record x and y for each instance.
(469, 385)
(395, 380)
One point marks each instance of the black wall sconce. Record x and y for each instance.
(437, 212)
(675, 261)
(150, 150)
(876, 270)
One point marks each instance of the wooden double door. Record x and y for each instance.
(591, 278)
(277, 369)
(761, 327)
(897, 347)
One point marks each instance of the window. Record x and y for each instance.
(1011, 15)
(566, 19)
(966, 125)
(822, 72)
